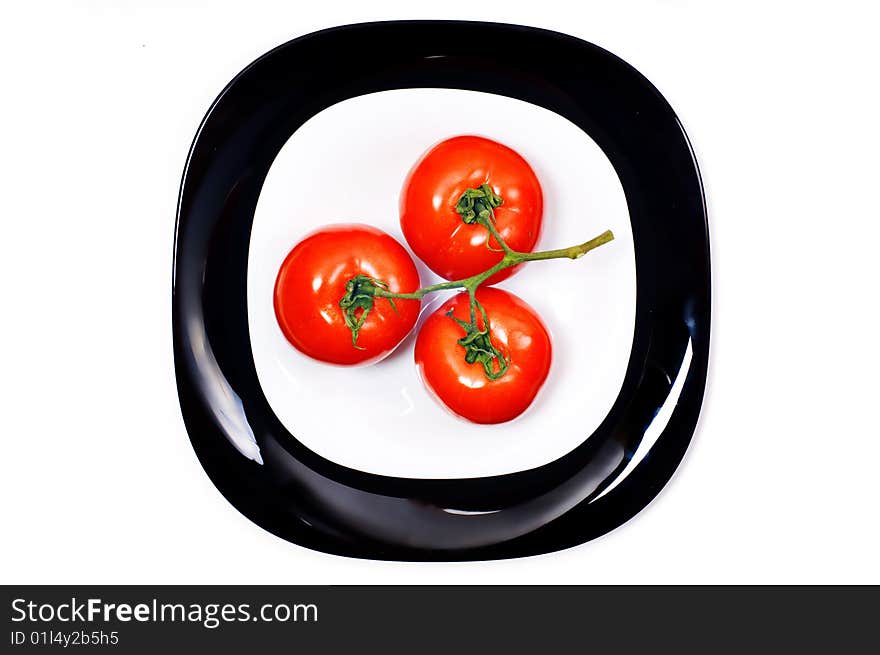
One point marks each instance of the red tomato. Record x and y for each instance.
(312, 281)
(436, 232)
(516, 330)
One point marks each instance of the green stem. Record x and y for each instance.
(511, 258)
(493, 231)
(573, 252)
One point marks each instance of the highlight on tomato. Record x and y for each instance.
(460, 195)
(485, 359)
(324, 294)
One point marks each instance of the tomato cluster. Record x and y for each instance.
(471, 210)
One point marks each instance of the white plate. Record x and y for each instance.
(347, 164)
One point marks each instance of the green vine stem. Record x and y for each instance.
(510, 258)
(476, 206)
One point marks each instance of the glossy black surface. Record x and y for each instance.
(289, 490)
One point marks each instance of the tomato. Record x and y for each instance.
(515, 329)
(434, 230)
(313, 278)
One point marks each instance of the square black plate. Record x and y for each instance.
(289, 490)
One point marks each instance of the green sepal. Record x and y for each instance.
(477, 343)
(478, 204)
(360, 296)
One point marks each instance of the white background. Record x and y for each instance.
(97, 478)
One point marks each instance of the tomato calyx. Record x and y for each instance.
(477, 204)
(360, 294)
(477, 342)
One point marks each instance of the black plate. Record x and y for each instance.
(289, 490)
